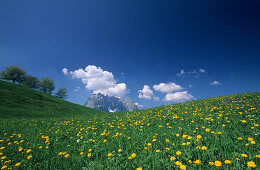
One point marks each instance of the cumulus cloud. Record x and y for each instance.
(100, 81)
(215, 83)
(167, 88)
(178, 97)
(117, 90)
(65, 71)
(145, 93)
(139, 105)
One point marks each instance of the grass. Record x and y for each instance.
(23, 102)
(201, 134)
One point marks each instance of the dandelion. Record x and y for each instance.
(157, 151)
(167, 140)
(67, 156)
(109, 154)
(244, 155)
(18, 164)
(239, 138)
(40, 147)
(81, 153)
(172, 158)
(29, 157)
(149, 144)
(139, 168)
(227, 162)
(251, 164)
(3, 157)
(211, 163)
(197, 161)
(257, 156)
(130, 157)
(178, 163)
(133, 155)
(250, 139)
(199, 137)
(243, 121)
(119, 150)
(89, 155)
(4, 167)
(178, 152)
(28, 151)
(183, 167)
(218, 163)
(204, 148)
(89, 150)
(61, 153)
(253, 142)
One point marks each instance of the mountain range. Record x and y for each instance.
(110, 103)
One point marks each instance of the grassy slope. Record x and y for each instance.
(20, 101)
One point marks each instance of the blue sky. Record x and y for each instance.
(139, 42)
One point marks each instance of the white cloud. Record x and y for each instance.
(201, 70)
(119, 90)
(194, 72)
(145, 93)
(76, 89)
(215, 83)
(178, 96)
(139, 105)
(100, 81)
(181, 73)
(167, 88)
(65, 71)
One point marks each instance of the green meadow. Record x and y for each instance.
(39, 131)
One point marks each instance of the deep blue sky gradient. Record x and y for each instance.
(150, 41)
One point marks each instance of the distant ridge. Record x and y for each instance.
(110, 103)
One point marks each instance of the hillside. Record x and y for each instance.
(214, 133)
(18, 101)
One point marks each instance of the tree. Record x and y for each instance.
(46, 85)
(13, 73)
(62, 93)
(31, 81)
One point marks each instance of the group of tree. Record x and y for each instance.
(15, 74)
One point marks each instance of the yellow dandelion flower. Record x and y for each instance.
(244, 155)
(251, 164)
(18, 164)
(199, 137)
(133, 155)
(28, 151)
(250, 139)
(218, 163)
(4, 167)
(3, 157)
(204, 148)
(67, 156)
(130, 157)
(227, 162)
(211, 163)
(81, 153)
(158, 150)
(253, 142)
(139, 168)
(178, 163)
(183, 167)
(89, 155)
(109, 154)
(197, 161)
(178, 152)
(167, 140)
(119, 150)
(29, 157)
(149, 144)
(172, 158)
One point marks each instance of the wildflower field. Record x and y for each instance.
(215, 133)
